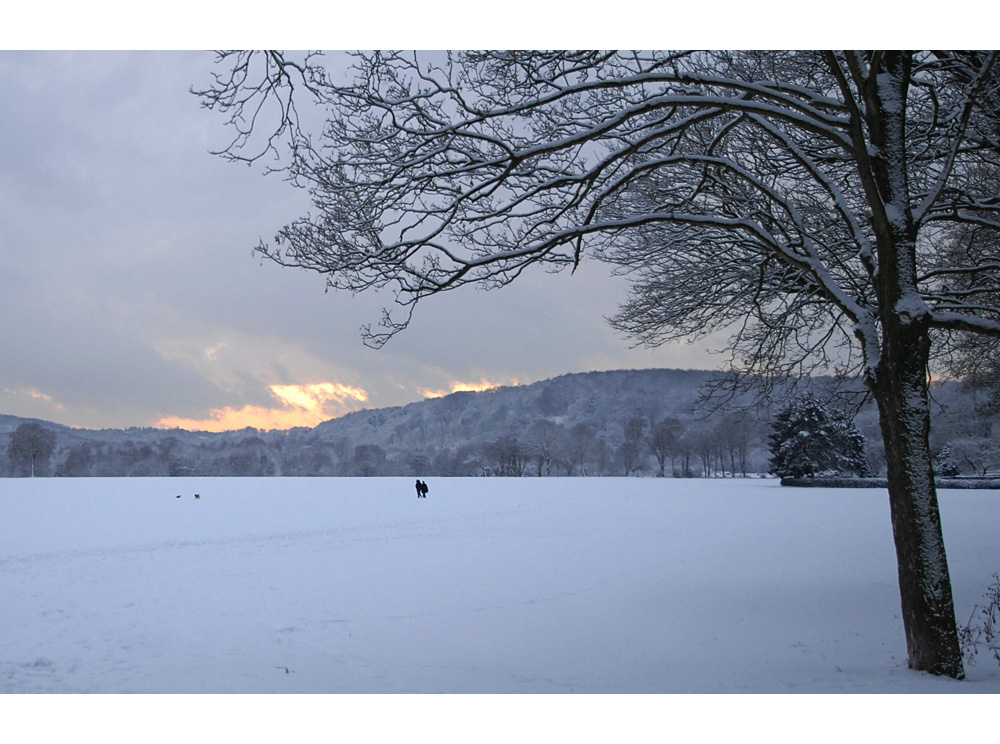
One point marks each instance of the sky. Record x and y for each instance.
(129, 291)
(130, 294)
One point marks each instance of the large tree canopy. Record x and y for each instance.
(807, 199)
(435, 171)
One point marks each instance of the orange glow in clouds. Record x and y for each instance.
(463, 387)
(35, 394)
(302, 405)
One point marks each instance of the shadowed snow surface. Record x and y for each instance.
(488, 586)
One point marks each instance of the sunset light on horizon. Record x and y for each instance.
(302, 405)
(137, 306)
(465, 387)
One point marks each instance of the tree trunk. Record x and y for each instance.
(901, 391)
(899, 380)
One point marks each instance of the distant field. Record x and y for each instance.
(605, 585)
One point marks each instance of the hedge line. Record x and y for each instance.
(967, 483)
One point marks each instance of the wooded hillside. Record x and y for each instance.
(629, 422)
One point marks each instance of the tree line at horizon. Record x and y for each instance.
(628, 442)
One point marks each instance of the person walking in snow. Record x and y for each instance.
(420, 490)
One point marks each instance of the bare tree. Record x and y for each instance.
(633, 448)
(704, 442)
(508, 455)
(577, 447)
(737, 432)
(685, 449)
(31, 446)
(798, 197)
(662, 442)
(970, 357)
(543, 438)
(369, 459)
(980, 453)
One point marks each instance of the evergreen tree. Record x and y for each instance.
(945, 465)
(808, 438)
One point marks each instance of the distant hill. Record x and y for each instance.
(604, 401)
(395, 440)
(573, 424)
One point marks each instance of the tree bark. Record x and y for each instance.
(899, 382)
(901, 392)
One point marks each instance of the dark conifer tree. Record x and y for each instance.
(809, 438)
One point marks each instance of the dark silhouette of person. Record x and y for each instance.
(420, 490)
(423, 489)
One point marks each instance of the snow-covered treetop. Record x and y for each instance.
(765, 189)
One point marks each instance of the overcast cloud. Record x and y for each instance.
(130, 295)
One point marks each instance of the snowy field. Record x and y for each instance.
(488, 586)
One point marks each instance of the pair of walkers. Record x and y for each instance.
(421, 490)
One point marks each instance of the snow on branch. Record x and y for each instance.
(437, 170)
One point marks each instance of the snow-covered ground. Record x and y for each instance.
(569, 585)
